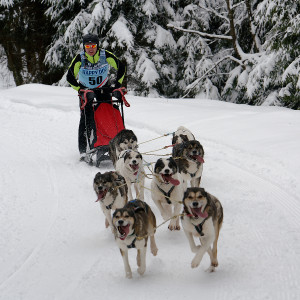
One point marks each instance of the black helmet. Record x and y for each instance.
(90, 38)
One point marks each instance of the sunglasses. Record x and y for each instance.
(90, 46)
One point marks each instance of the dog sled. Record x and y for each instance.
(108, 118)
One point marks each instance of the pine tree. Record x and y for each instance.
(25, 34)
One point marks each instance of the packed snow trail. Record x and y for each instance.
(53, 242)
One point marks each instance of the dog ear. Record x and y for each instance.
(173, 165)
(97, 176)
(114, 175)
(158, 165)
(186, 193)
(126, 156)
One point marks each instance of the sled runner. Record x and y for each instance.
(108, 118)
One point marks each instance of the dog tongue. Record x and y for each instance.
(198, 158)
(101, 195)
(170, 179)
(197, 212)
(134, 167)
(123, 230)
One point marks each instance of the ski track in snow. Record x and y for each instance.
(247, 244)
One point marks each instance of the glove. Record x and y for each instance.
(117, 95)
(117, 85)
(89, 95)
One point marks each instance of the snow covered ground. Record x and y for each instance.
(53, 242)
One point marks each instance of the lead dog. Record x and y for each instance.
(182, 134)
(189, 158)
(167, 188)
(132, 225)
(125, 139)
(130, 166)
(111, 190)
(203, 218)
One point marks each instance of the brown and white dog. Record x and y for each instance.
(130, 166)
(203, 218)
(182, 134)
(125, 139)
(111, 190)
(133, 224)
(167, 188)
(189, 158)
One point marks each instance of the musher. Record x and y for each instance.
(92, 68)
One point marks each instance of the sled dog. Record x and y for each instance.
(182, 134)
(111, 190)
(167, 188)
(203, 217)
(189, 158)
(132, 225)
(130, 166)
(125, 139)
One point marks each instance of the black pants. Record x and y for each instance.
(87, 134)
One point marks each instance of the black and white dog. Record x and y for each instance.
(130, 166)
(167, 189)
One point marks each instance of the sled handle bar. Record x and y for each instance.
(122, 91)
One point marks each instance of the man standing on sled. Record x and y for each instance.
(92, 68)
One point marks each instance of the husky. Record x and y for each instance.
(167, 188)
(181, 135)
(203, 218)
(130, 166)
(189, 158)
(111, 190)
(133, 224)
(125, 139)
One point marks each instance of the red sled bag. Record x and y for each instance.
(108, 122)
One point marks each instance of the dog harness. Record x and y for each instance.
(110, 205)
(167, 194)
(132, 245)
(193, 174)
(199, 227)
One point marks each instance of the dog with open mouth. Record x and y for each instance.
(130, 166)
(181, 135)
(133, 224)
(189, 157)
(111, 190)
(167, 188)
(202, 218)
(125, 139)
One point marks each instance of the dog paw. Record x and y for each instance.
(210, 269)
(129, 275)
(141, 270)
(214, 263)
(195, 263)
(177, 228)
(154, 251)
(171, 227)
